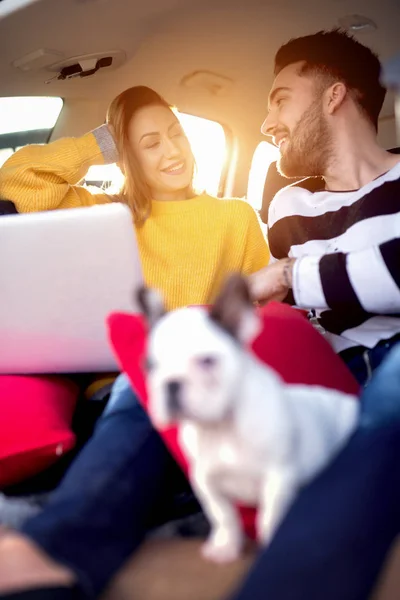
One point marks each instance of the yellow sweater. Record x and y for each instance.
(187, 247)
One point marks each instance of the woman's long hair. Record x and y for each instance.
(135, 190)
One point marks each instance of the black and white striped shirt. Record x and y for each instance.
(348, 245)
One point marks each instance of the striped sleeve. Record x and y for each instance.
(367, 280)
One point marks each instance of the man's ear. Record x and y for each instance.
(233, 310)
(151, 304)
(335, 95)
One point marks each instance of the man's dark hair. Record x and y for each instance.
(337, 56)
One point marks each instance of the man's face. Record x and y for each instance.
(297, 124)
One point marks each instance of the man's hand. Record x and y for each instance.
(272, 282)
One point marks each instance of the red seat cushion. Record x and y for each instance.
(287, 342)
(35, 419)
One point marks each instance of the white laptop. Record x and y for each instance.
(61, 273)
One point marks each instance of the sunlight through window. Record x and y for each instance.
(208, 142)
(264, 155)
(26, 120)
(28, 113)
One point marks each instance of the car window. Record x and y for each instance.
(264, 155)
(26, 120)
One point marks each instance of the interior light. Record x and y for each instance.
(358, 24)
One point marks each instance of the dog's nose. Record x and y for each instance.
(174, 389)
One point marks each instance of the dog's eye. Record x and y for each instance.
(207, 362)
(149, 364)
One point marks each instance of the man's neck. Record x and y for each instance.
(356, 160)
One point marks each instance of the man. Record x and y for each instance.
(343, 242)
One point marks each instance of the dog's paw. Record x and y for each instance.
(219, 554)
(220, 550)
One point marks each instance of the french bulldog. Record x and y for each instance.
(250, 438)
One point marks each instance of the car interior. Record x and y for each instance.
(61, 64)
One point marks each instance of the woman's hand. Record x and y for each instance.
(272, 282)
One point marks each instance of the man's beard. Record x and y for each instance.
(308, 147)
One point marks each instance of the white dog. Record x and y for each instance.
(249, 437)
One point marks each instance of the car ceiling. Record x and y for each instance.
(166, 40)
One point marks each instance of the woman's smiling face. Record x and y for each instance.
(163, 152)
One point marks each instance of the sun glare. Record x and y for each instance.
(208, 142)
(109, 176)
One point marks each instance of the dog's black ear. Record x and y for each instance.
(233, 310)
(151, 304)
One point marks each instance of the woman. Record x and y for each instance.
(188, 243)
(124, 481)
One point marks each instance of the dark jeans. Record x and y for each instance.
(362, 362)
(122, 484)
(331, 545)
(334, 540)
